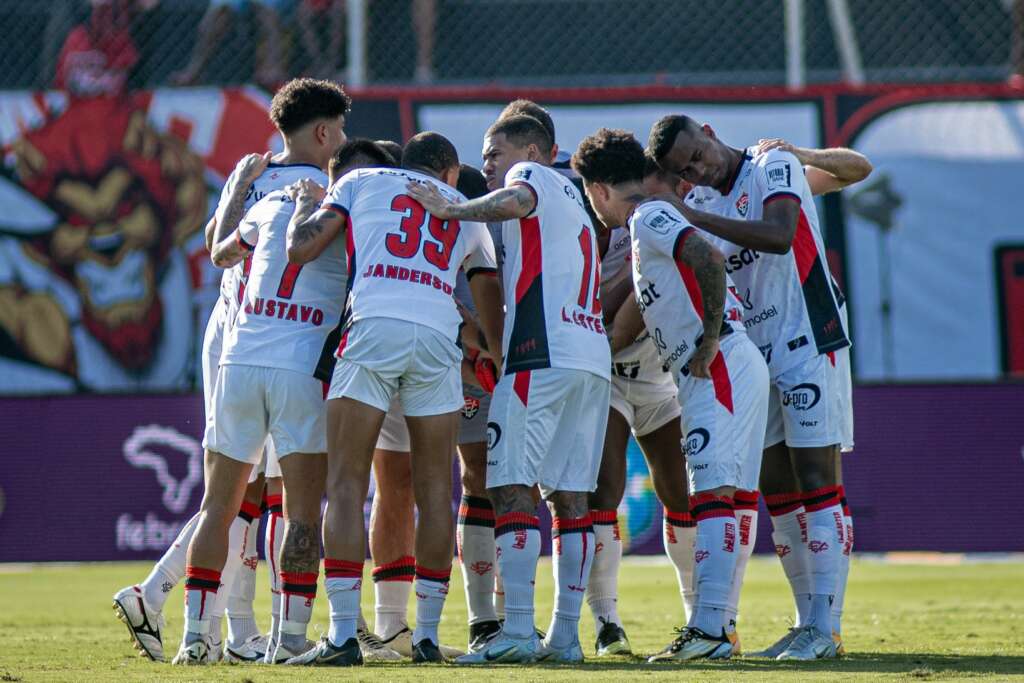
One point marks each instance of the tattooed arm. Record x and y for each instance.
(310, 229)
(827, 170)
(514, 201)
(708, 267)
(229, 251)
(232, 205)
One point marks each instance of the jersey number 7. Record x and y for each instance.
(406, 244)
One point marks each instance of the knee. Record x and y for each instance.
(606, 496)
(568, 504)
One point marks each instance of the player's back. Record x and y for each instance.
(287, 310)
(403, 261)
(552, 276)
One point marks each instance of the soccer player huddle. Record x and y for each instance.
(384, 308)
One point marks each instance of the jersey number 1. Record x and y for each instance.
(591, 273)
(406, 244)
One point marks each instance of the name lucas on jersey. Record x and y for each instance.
(284, 310)
(391, 272)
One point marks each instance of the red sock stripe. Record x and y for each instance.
(682, 519)
(401, 569)
(249, 511)
(476, 511)
(841, 492)
(567, 525)
(273, 500)
(515, 521)
(783, 503)
(822, 498)
(299, 583)
(442, 575)
(745, 500)
(604, 516)
(192, 572)
(342, 569)
(708, 506)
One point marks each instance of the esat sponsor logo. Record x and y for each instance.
(648, 295)
(741, 258)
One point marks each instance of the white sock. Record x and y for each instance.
(573, 549)
(499, 588)
(714, 560)
(169, 569)
(745, 504)
(201, 586)
(392, 583)
(475, 538)
(272, 542)
(825, 532)
(344, 588)
(844, 564)
(517, 536)
(241, 618)
(789, 535)
(298, 593)
(431, 591)
(603, 588)
(236, 548)
(679, 535)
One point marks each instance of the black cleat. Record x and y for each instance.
(426, 652)
(326, 654)
(481, 633)
(612, 640)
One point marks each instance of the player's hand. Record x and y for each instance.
(700, 362)
(432, 200)
(768, 144)
(486, 374)
(306, 190)
(252, 167)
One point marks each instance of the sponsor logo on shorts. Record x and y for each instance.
(802, 396)
(470, 407)
(493, 437)
(695, 442)
(808, 423)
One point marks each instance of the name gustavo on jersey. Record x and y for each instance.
(284, 310)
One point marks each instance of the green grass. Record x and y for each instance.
(911, 622)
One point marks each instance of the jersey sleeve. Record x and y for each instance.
(661, 226)
(525, 173)
(779, 175)
(248, 231)
(225, 195)
(340, 195)
(480, 250)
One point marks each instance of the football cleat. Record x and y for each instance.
(504, 649)
(809, 644)
(692, 643)
(573, 654)
(252, 650)
(838, 640)
(326, 654)
(401, 643)
(734, 640)
(144, 624)
(481, 633)
(611, 640)
(374, 649)
(279, 654)
(777, 648)
(426, 652)
(215, 651)
(196, 653)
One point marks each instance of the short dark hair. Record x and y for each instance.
(471, 182)
(523, 130)
(610, 156)
(302, 100)
(663, 134)
(366, 152)
(530, 108)
(431, 151)
(392, 148)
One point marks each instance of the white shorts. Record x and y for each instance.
(646, 407)
(724, 418)
(811, 405)
(384, 357)
(547, 427)
(251, 403)
(394, 434)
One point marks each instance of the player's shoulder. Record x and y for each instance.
(270, 204)
(657, 216)
(530, 172)
(777, 168)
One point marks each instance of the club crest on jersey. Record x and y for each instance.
(660, 222)
(777, 174)
(742, 204)
(470, 407)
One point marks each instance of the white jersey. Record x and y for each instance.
(403, 261)
(288, 311)
(667, 291)
(790, 303)
(552, 278)
(275, 177)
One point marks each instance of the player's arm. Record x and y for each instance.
(312, 227)
(232, 202)
(827, 170)
(616, 292)
(628, 324)
(515, 201)
(486, 294)
(231, 250)
(708, 266)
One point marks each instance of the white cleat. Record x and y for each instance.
(277, 653)
(375, 650)
(505, 649)
(573, 654)
(215, 650)
(195, 654)
(144, 624)
(809, 644)
(401, 643)
(253, 650)
(779, 646)
(692, 643)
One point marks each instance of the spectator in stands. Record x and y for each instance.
(216, 24)
(99, 54)
(315, 18)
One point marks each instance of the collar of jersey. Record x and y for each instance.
(275, 165)
(736, 174)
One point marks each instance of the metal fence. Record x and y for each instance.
(99, 45)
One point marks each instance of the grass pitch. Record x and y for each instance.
(912, 622)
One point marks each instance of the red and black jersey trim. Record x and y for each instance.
(475, 511)
(402, 569)
(242, 243)
(781, 195)
(480, 271)
(528, 343)
(736, 174)
(515, 521)
(817, 287)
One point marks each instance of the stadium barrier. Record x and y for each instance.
(93, 478)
